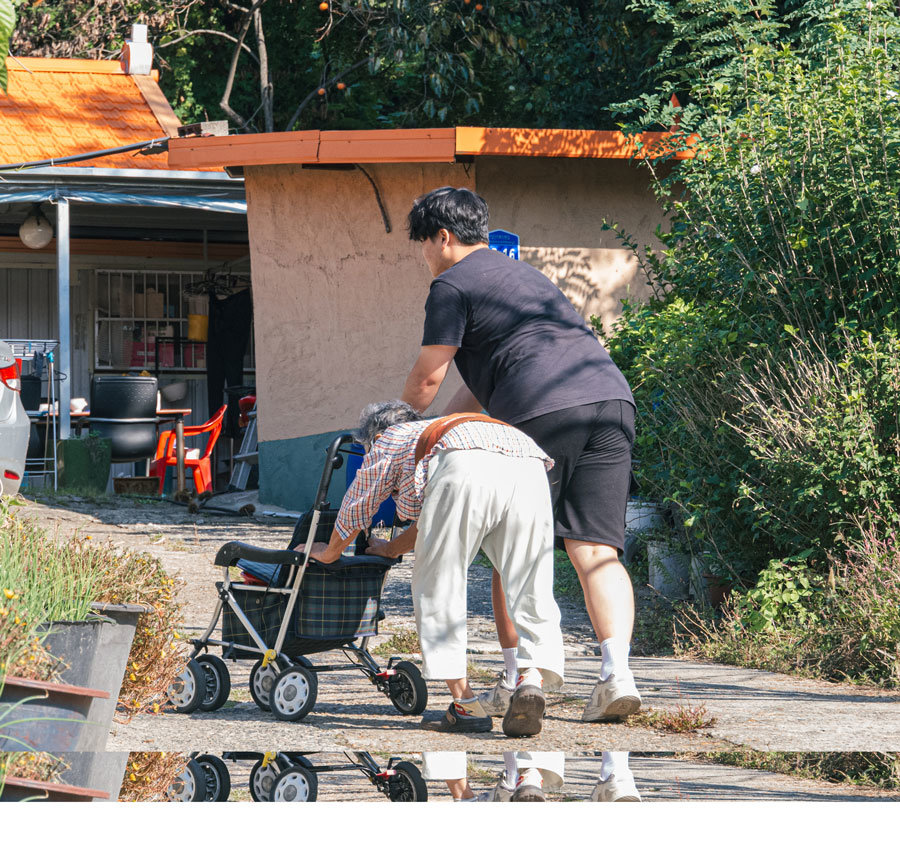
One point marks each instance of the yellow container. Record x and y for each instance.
(198, 327)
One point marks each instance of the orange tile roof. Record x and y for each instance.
(61, 107)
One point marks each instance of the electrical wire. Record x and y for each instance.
(151, 146)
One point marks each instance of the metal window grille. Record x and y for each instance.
(142, 321)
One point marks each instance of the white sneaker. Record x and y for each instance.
(616, 790)
(529, 788)
(501, 792)
(613, 699)
(496, 700)
(525, 715)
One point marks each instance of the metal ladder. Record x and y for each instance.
(247, 456)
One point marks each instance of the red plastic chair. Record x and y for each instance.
(201, 466)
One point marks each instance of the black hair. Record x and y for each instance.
(460, 211)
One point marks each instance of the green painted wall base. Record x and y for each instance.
(289, 471)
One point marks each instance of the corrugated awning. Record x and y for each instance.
(211, 201)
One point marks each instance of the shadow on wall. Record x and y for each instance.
(595, 280)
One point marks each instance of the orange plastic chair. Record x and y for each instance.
(201, 465)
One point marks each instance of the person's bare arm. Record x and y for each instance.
(462, 402)
(400, 545)
(427, 375)
(328, 553)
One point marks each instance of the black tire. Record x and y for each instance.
(189, 786)
(261, 681)
(218, 681)
(188, 691)
(296, 784)
(407, 786)
(408, 693)
(294, 693)
(262, 779)
(218, 779)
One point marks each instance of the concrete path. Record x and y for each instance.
(752, 708)
(675, 779)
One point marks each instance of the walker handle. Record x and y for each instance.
(332, 461)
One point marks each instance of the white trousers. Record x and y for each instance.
(476, 499)
(453, 765)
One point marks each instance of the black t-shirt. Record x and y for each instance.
(523, 349)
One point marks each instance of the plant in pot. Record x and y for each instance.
(41, 776)
(95, 609)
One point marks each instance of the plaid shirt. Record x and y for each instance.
(389, 467)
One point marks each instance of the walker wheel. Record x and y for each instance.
(218, 780)
(188, 691)
(408, 691)
(294, 693)
(262, 779)
(407, 786)
(261, 681)
(297, 784)
(189, 786)
(218, 681)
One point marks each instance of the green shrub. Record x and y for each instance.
(844, 628)
(765, 368)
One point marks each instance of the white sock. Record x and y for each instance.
(614, 658)
(613, 763)
(512, 769)
(512, 667)
(531, 776)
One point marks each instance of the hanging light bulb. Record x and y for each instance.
(36, 231)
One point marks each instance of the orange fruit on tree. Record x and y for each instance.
(322, 91)
(342, 86)
(478, 7)
(323, 6)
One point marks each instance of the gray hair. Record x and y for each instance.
(381, 415)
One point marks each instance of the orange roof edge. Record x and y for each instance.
(415, 145)
(64, 66)
(48, 65)
(586, 144)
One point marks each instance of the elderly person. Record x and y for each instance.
(477, 485)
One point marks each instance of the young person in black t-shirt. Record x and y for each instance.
(528, 358)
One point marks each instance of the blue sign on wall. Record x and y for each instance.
(504, 242)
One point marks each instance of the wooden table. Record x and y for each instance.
(163, 414)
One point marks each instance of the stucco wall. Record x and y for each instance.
(557, 207)
(338, 302)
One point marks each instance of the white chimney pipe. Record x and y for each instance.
(137, 54)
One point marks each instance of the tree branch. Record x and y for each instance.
(229, 83)
(305, 102)
(265, 78)
(210, 32)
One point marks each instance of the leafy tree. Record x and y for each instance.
(7, 25)
(765, 364)
(286, 64)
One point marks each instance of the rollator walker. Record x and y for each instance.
(286, 606)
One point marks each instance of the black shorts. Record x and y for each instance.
(591, 477)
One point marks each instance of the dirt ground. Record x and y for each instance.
(752, 708)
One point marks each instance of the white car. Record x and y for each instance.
(15, 427)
